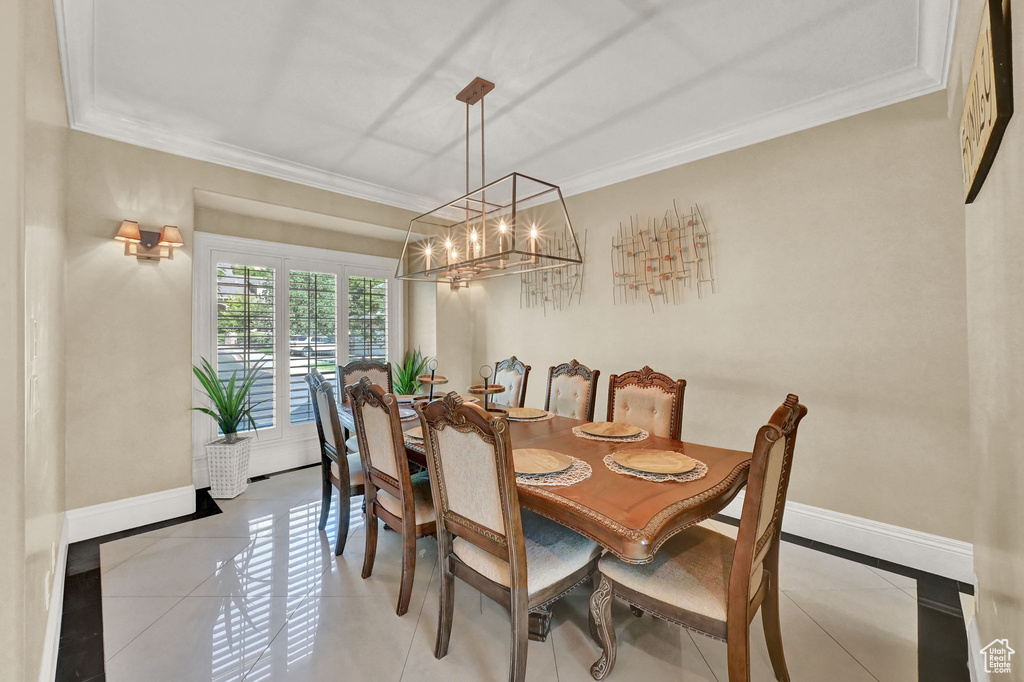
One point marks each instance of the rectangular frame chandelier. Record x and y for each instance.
(506, 227)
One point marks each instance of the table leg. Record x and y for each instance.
(540, 624)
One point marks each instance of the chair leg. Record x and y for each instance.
(446, 611)
(738, 647)
(344, 514)
(601, 614)
(408, 567)
(773, 629)
(325, 495)
(520, 642)
(371, 542)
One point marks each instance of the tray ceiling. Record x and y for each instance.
(359, 98)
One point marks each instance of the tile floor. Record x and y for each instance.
(256, 593)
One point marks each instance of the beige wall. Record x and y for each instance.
(129, 324)
(46, 141)
(840, 263)
(12, 386)
(995, 327)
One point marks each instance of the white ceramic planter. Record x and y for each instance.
(229, 467)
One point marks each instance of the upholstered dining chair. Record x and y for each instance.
(512, 374)
(708, 582)
(648, 399)
(391, 494)
(572, 390)
(378, 372)
(339, 469)
(523, 561)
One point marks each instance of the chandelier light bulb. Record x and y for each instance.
(502, 227)
(533, 232)
(427, 250)
(448, 244)
(472, 236)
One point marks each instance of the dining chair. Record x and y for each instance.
(572, 390)
(648, 399)
(391, 493)
(339, 469)
(519, 559)
(512, 374)
(378, 373)
(708, 582)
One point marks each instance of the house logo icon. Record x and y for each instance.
(997, 656)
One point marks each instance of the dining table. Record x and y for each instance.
(631, 517)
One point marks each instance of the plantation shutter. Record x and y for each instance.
(245, 333)
(313, 340)
(367, 318)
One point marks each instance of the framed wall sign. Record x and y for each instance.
(988, 104)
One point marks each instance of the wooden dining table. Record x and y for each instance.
(629, 516)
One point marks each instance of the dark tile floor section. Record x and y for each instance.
(80, 653)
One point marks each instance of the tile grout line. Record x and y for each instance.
(159, 618)
(697, 647)
(419, 618)
(829, 634)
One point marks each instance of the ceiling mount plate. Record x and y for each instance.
(475, 91)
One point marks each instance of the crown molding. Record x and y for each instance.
(936, 25)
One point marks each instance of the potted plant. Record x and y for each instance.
(228, 457)
(413, 365)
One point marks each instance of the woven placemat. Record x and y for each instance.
(631, 439)
(579, 471)
(698, 472)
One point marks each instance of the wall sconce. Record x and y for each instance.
(146, 245)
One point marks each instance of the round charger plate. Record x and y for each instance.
(406, 413)
(654, 461)
(611, 429)
(538, 461)
(416, 433)
(526, 413)
(405, 399)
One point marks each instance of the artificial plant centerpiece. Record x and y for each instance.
(230, 406)
(404, 378)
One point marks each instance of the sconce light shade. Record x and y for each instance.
(170, 236)
(129, 232)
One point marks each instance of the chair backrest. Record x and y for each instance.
(572, 390)
(648, 399)
(765, 498)
(328, 426)
(469, 456)
(381, 444)
(378, 372)
(512, 374)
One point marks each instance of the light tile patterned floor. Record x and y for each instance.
(256, 593)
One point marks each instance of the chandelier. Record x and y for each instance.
(511, 226)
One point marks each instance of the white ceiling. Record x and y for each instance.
(359, 97)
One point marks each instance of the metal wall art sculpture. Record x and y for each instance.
(657, 261)
(559, 288)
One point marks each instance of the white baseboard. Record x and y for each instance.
(265, 458)
(975, 661)
(923, 551)
(51, 645)
(100, 519)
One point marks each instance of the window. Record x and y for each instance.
(313, 344)
(245, 333)
(286, 310)
(367, 319)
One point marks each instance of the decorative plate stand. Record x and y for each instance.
(487, 389)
